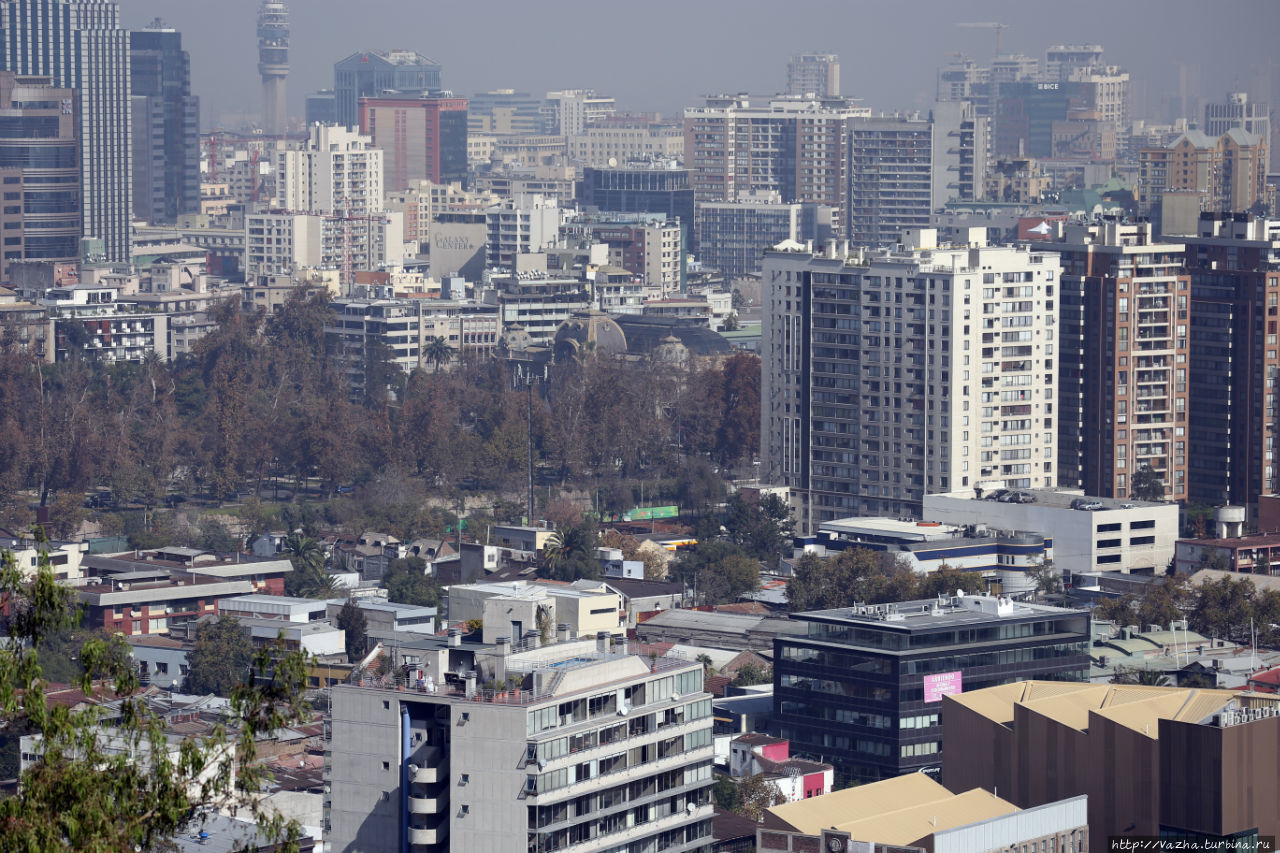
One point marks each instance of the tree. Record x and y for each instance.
(725, 792)
(351, 619)
(1047, 579)
(437, 351)
(100, 787)
(220, 658)
(1122, 610)
(308, 578)
(751, 673)
(720, 572)
(756, 793)
(407, 582)
(1147, 485)
(763, 528)
(856, 576)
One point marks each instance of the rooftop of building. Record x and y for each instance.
(896, 812)
(934, 613)
(1261, 582)
(1140, 708)
(183, 558)
(1235, 543)
(1057, 499)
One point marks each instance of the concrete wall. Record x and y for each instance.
(364, 773)
(1074, 532)
(489, 747)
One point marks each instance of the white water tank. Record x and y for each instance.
(1230, 521)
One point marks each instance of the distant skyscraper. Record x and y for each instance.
(166, 126)
(80, 45)
(369, 74)
(814, 74)
(40, 164)
(273, 63)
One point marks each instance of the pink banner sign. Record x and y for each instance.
(942, 684)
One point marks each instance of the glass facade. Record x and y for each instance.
(853, 693)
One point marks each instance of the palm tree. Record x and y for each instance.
(1151, 678)
(437, 351)
(307, 558)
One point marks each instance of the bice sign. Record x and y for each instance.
(942, 684)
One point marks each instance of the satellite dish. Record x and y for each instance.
(613, 162)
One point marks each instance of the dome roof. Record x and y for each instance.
(589, 330)
(671, 351)
(515, 339)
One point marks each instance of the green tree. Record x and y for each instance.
(116, 787)
(351, 619)
(720, 572)
(308, 578)
(220, 658)
(407, 582)
(437, 351)
(762, 528)
(855, 576)
(725, 792)
(752, 673)
(1147, 485)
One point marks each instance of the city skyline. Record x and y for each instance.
(746, 56)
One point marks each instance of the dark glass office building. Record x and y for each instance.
(631, 190)
(862, 687)
(166, 126)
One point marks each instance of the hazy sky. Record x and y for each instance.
(663, 54)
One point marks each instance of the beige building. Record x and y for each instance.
(516, 608)
(913, 812)
(1223, 173)
(613, 143)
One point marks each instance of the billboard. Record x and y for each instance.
(942, 684)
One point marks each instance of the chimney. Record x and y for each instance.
(562, 633)
(471, 683)
(621, 646)
(602, 641)
(455, 638)
(532, 639)
(504, 646)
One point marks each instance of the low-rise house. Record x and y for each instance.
(64, 557)
(161, 661)
(794, 778)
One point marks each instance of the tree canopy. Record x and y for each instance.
(105, 787)
(220, 658)
(407, 582)
(864, 576)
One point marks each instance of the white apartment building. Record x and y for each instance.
(282, 243)
(336, 170)
(894, 373)
(574, 110)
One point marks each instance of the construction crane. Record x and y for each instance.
(988, 25)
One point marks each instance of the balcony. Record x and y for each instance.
(425, 836)
(425, 804)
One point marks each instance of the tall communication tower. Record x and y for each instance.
(273, 63)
